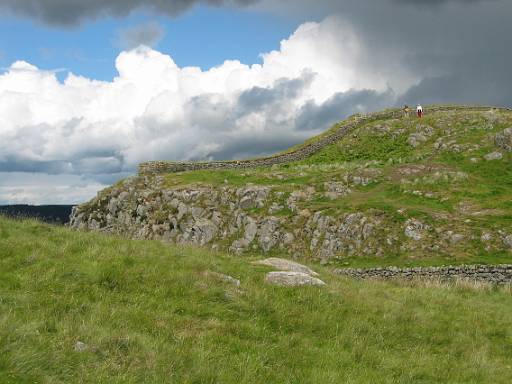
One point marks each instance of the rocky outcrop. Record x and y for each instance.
(352, 209)
(504, 139)
(237, 219)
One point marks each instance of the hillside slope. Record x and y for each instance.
(389, 190)
(88, 308)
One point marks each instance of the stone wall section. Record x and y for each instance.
(301, 153)
(494, 274)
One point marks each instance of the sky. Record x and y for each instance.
(88, 90)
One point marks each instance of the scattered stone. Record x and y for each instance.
(486, 236)
(334, 190)
(493, 156)
(456, 238)
(286, 265)
(508, 241)
(80, 346)
(292, 279)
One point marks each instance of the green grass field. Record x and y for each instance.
(148, 313)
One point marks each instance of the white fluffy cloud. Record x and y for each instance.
(154, 109)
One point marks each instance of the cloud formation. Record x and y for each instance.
(148, 34)
(373, 54)
(154, 109)
(73, 12)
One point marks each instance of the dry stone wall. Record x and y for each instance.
(301, 153)
(495, 274)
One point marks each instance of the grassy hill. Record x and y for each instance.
(399, 191)
(152, 313)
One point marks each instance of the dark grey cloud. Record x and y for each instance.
(258, 98)
(72, 12)
(455, 50)
(313, 116)
(438, 2)
(148, 34)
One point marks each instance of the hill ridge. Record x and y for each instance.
(301, 151)
(395, 190)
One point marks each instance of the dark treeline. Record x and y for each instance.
(56, 214)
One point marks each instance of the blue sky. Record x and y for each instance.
(203, 36)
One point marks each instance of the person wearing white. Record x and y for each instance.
(419, 110)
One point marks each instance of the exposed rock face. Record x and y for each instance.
(292, 279)
(218, 216)
(323, 210)
(504, 139)
(415, 229)
(269, 233)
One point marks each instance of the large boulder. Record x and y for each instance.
(493, 156)
(286, 265)
(292, 279)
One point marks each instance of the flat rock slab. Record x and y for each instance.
(292, 279)
(286, 265)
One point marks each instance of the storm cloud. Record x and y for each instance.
(72, 12)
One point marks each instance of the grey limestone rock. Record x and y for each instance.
(493, 156)
(80, 346)
(201, 232)
(334, 189)
(269, 233)
(504, 139)
(251, 229)
(286, 265)
(239, 246)
(507, 240)
(415, 229)
(416, 139)
(292, 279)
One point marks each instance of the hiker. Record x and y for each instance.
(406, 110)
(419, 111)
